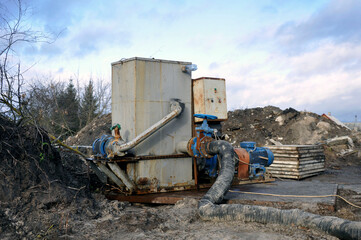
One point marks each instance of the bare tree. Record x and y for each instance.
(104, 95)
(42, 102)
(13, 31)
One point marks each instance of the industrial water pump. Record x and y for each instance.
(164, 123)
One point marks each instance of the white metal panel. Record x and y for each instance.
(209, 96)
(215, 98)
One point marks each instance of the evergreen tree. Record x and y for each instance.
(67, 114)
(89, 105)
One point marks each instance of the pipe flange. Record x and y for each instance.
(189, 147)
(203, 147)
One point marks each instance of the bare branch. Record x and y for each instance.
(12, 32)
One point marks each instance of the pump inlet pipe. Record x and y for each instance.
(110, 146)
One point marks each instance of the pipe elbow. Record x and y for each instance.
(119, 148)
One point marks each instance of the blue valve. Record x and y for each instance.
(204, 127)
(203, 132)
(99, 145)
(205, 116)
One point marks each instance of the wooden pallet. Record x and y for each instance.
(297, 161)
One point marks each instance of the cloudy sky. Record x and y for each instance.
(301, 54)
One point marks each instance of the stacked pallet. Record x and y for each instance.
(297, 161)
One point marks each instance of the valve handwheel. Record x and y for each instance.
(115, 126)
(205, 116)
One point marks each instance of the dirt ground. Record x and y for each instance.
(98, 218)
(47, 195)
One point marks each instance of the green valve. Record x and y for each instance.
(116, 125)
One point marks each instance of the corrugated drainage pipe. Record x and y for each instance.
(210, 210)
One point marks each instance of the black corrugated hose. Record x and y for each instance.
(210, 210)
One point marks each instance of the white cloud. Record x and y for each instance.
(299, 81)
(329, 57)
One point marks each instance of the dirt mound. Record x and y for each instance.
(28, 161)
(269, 125)
(86, 136)
(34, 179)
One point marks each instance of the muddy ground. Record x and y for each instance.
(45, 194)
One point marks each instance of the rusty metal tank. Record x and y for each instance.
(142, 90)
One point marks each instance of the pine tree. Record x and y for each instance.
(67, 115)
(89, 105)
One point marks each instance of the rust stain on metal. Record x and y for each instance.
(243, 157)
(180, 184)
(204, 142)
(170, 195)
(198, 97)
(138, 158)
(147, 190)
(143, 181)
(212, 78)
(154, 185)
(117, 134)
(189, 145)
(192, 109)
(201, 144)
(198, 143)
(157, 198)
(195, 171)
